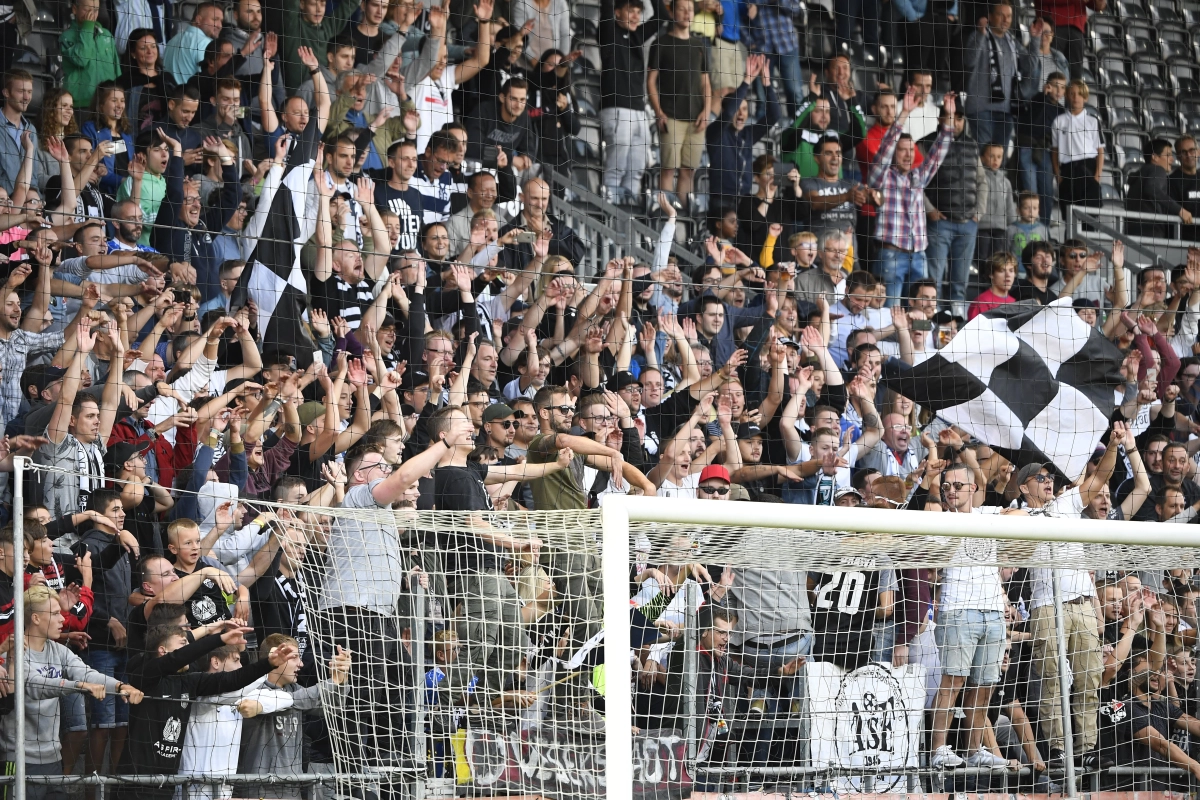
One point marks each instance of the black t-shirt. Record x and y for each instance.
(208, 603)
(844, 615)
(405, 204)
(302, 467)
(135, 630)
(277, 606)
(1121, 720)
(339, 299)
(462, 489)
(1024, 290)
(365, 47)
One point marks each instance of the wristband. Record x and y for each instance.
(314, 71)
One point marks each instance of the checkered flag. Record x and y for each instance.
(1036, 383)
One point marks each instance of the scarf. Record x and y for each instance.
(90, 466)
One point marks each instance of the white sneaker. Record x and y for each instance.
(945, 757)
(986, 758)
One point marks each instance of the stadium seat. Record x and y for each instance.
(1175, 43)
(1141, 40)
(1130, 147)
(1114, 73)
(1164, 12)
(1131, 9)
(1149, 75)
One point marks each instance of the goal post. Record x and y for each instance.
(806, 537)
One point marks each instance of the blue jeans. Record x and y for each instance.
(898, 269)
(991, 127)
(951, 248)
(109, 712)
(787, 67)
(1038, 178)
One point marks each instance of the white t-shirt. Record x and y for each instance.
(1074, 583)
(435, 102)
(685, 489)
(972, 581)
(1076, 137)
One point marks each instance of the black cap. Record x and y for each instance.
(413, 379)
(41, 375)
(788, 341)
(388, 322)
(1083, 302)
(748, 430)
(121, 452)
(946, 317)
(622, 379)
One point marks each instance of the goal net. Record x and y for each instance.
(680, 648)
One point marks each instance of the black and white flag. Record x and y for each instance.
(272, 277)
(1036, 383)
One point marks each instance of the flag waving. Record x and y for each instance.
(272, 277)
(1036, 383)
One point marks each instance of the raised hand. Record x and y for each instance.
(308, 59)
(356, 373)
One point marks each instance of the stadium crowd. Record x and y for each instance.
(450, 353)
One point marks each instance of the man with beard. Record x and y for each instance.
(179, 230)
(1174, 468)
(223, 123)
(894, 454)
(1142, 723)
(1038, 260)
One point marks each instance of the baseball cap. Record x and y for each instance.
(1029, 470)
(388, 322)
(310, 411)
(788, 341)
(497, 411)
(715, 471)
(748, 430)
(1083, 302)
(622, 379)
(845, 490)
(121, 452)
(41, 375)
(413, 378)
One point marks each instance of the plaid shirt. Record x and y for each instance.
(773, 30)
(14, 357)
(901, 221)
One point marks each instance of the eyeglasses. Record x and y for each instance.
(1189, 151)
(898, 427)
(566, 411)
(958, 485)
(507, 424)
(383, 466)
(605, 418)
(633, 388)
(718, 490)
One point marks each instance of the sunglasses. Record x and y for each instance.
(566, 411)
(718, 490)
(958, 485)
(521, 415)
(507, 424)
(1042, 478)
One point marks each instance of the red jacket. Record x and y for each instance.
(1065, 12)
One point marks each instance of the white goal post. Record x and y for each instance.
(620, 512)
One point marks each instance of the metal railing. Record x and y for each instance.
(618, 233)
(1099, 227)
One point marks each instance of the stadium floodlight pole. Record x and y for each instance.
(18, 650)
(1064, 684)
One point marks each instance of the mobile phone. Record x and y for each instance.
(118, 146)
(526, 237)
(240, 113)
(922, 325)
(782, 168)
(491, 156)
(182, 295)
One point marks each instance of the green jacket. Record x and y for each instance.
(89, 56)
(297, 32)
(385, 135)
(799, 140)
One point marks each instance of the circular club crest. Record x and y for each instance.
(871, 726)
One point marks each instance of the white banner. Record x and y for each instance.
(869, 719)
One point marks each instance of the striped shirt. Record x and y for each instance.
(15, 352)
(901, 221)
(339, 299)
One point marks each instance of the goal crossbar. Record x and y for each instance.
(619, 511)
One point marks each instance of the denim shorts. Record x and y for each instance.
(971, 644)
(74, 714)
(109, 712)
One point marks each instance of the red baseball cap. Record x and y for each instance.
(715, 471)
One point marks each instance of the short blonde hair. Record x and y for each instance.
(36, 597)
(1079, 86)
